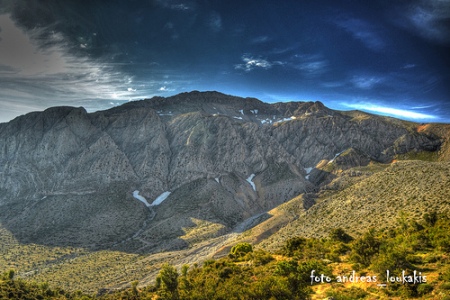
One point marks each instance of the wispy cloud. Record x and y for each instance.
(176, 5)
(20, 56)
(260, 40)
(180, 6)
(366, 82)
(409, 66)
(311, 65)
(430, 19)
(251, 63)
(363, 31)
(165, 88)
(38, 76)
(215, 22)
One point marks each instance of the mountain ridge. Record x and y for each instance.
(159, 145)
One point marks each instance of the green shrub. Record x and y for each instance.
(241, 249)
(293, 244)
(347, 294)
(393, 259)
(445, 286)
(432, 258)
(364, 248)
(261, 257)
(415, 259)
(424, 288)
(338, 234)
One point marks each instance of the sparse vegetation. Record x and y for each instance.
(291, 274)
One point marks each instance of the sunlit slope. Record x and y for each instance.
(410, 187)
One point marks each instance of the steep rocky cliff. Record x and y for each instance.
(68, 177)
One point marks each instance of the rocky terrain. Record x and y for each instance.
(190, 174)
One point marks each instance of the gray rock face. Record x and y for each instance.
(67, 177)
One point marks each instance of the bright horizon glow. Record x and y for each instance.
(400, 113)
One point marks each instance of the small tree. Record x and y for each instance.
(241, 249)
(294, 244)
(338, 234)
(168, 277)
(366, 247)
(10, 274)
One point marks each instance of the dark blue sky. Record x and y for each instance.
(387, 57)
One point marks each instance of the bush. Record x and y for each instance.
(424, 288)
(261, 257)
(241, 249)
(293, 244)
(392, 259)
(445, 286)
(338, 234)
(347, 294)
(365, 248)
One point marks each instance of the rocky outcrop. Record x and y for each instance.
(67, 177)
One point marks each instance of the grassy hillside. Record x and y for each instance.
(339, 266)
(413, 187)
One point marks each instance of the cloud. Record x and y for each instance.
(36, 74)
(390, 111)
(311, 65)
(363, 31)
(423, 106)
(260, 40)
(21, 56)
(180, 6)
(215, 22)
(366, 82)
(251, 63)
(430, 19)
(409, 66)
(175, 5)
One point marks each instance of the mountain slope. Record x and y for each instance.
(223, 169)
(67, 176)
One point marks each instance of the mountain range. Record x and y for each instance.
(192, 174)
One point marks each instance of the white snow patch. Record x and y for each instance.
(307, 177)
(161, 113)
(241, 111)
(160, 198)
(286, 119)
(308, 170)
(249, 180)
(217, 179)
(140, 198)
(336, 155)
(239, 118)
(254, 111)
